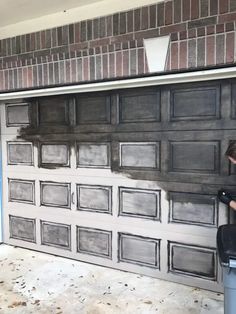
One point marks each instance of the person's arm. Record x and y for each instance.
(232, 204)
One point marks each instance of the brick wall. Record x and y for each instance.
(202, 34)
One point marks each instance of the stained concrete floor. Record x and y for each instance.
(32, 282)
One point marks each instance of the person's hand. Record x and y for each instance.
(224, 196)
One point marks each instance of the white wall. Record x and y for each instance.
(100, 8)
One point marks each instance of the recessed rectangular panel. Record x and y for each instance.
(193, 209)
(20, 153)
(21, 191)
(93, 109)
(55, 234)
(139, 107)
(195, 103)
(54, 154)
(53, 111)
(139, 203)
(17, 114)
(22, 228)
(94, 198)
(93, 155)
(55, 194)
(139, 155)
(139, 250)
(192, 261)
(94, 241)
(200, 157)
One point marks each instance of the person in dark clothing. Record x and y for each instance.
(223, 195)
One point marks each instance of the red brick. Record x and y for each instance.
(194, 9)
(119, 64)
(172, 29)
(186, 10)
(85, 69)
(125, 63)
(220, 28)
(210, 29)
(168, 13)
(77, 32)
(144, 18)
(30, 76)
(105, 65)
(227, 17)
(140, 61)
(177, 11)
(230, 43)
(68, 71)
(174, 56)
(121, 38)
(229, 27)
(43, 40)
(201, 31)
(183, 55)
(152, 16)
(112, 65)
(73, 70)
(223, 6)
(210, 50)
(213, 7)
(25, 78)
(147, 34)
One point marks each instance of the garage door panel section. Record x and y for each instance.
(190, 156)
(139, 203)
(56, 235)
(96, 242)
(94, 198)
(18, 114)
(53, 111)
(22, 228)
(53, 154)
(55, 194)
(192, 260)
(125, 178)
(21, 191)
(139, 250)
(195, 103)
(20, 153)
(191, 208)
(93, 155)
(93, 109)
(139, 106)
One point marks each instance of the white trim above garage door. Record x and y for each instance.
(196, 76)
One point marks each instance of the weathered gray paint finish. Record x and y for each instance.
(94, 241)
(94, 198)
(93, 109)
(139, 250)
(195, 104)
(139, 107)
(139, 155)
(139, 203)
(21, 191)
(55, 194)
(22, 228)
(17, 114)
(193, 261)
(201, 157)
(56, 154)
(53, 110)
(93, 155)
(55, 234)
(193, 209)
(20, 153)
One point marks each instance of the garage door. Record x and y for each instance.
(125, 179)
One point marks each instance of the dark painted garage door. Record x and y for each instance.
(125, 179)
